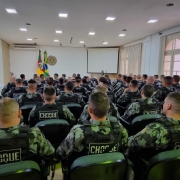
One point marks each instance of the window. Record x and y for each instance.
(131, 60)
(172, 56)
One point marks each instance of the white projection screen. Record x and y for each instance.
(102, 59)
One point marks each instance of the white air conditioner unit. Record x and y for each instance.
(27, 47)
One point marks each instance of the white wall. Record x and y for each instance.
(69, 61)
(1, 68)
(153, 51)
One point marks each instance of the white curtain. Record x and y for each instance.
(131, 60)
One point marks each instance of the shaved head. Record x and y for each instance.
(13, 79)
(101, 89)
(9, 112)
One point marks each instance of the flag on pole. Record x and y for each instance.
(39, 68)
(45, 66)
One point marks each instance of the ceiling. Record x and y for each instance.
(85, 16)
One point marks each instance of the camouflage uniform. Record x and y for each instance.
(176, 87)
(15, 92)
(119, 92)
(118, 85)
(36, 97)
(66, 113)
(58, 92)
(126, 98)
(162, 93)
(38, 145)
(135, 109)
(156, 136)
(7, 88)
(141, 84)
(71, 94)
(74, 140)
(158, 83)
(112, 112)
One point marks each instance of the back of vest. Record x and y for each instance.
(79, 90)
(146, 108)
(98, 142)
(16, 148)
(17, 91)
(47, 111)
(165, 92)
(65, 99)
(33, 100)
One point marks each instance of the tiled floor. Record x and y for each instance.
(58, 173)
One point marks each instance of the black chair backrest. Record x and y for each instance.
(100, 166)
(164, 166)
(55, 130)
(141, 121)
(24, 170)
(75, 109)
(26, 109)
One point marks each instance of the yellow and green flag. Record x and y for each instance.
(45, 66)
(39, 68)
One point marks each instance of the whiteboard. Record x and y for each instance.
(102, 59)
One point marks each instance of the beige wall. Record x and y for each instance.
(6, 61)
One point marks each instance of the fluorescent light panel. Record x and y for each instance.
(105, 42)
(58, 31)
(63, 15)
(56, 40)
(23, 29)
(152, 21)
(91, 33)
(11, 11)
(82, 42)
(29, 39)
(110, 18)
(122, 35)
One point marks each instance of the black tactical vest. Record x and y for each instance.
(61, 87)
(134, 96)
(146, 108)
(98, 142)
(17, 91)
(79, 90)
(48, 111)
(174, 135)
(176, 87)
(10, 86)
(68, 99)
(165, 92)
(16, 148)
(34, 100)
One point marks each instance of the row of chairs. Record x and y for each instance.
(164, 166)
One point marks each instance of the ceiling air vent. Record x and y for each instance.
(27, 47)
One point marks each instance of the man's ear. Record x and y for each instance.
(19, 113)
(169, 107)
(90, 111)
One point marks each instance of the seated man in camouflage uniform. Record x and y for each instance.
(60, 84)
(23, 78)
(9, 127)
(69, 97)
(111, 112)
(166, 88)
(150, 81)
(130, 95)
(161, 135)
(101, 138)
(176, 84)
(17, 91)
(8, 86)
(32, 97)
(49, 109)
(146, 105)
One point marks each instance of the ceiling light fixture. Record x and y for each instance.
(56, 40)
(91, 33)
(23, 29)
(170, 4)
(59, 32)
(122, 35)
(105, 42)
(110, 18)
(63, 15)
(29, 39)
(13, 11)
(152, 21)
(82, 42)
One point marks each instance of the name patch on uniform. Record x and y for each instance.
(99, 148)
(16, 95)
(48, 114)
(151, 112)
(12, 155)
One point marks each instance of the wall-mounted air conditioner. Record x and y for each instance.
(27, 47)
